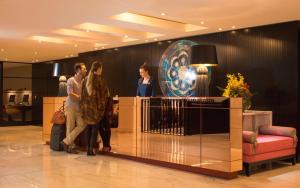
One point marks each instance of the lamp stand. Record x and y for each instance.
(202, 82)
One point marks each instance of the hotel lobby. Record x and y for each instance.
(203, 93)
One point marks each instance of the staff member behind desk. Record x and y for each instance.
(145, 83)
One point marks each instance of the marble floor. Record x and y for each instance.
(26, 162)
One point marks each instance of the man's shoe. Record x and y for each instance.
(64, 146)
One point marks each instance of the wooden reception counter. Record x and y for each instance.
(202, 135)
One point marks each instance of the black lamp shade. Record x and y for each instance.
(56, 70)
(203, 55)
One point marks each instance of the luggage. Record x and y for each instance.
(82, 139)
(58, 133)
(59, 116)
(58, 130)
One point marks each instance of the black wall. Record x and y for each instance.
(267, 56)
(43, 84)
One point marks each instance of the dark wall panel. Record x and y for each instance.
(43, 84)
(268, 57)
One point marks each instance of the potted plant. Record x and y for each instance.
(237, 87)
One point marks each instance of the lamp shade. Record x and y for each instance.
(56, 70)
(205, 55)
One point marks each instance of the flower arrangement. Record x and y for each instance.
(237, 87)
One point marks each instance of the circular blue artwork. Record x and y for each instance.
(176, 77)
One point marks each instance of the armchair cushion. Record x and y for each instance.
(267, 144)
(279, 131)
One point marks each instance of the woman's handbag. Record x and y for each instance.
(59, 117)
(108, 113)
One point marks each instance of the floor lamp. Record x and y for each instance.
(202, 57)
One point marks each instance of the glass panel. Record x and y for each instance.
(196, 132)
(220, 129)
(123, 137)
(17, 106)
(17, 70)
(215, 142)
(17, 93)
(164, 134)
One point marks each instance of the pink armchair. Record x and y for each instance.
(269, 144)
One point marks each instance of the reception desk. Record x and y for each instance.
(202, 135)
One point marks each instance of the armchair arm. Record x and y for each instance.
(278, 131)
(249, 137)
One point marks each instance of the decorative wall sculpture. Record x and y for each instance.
(176, 77)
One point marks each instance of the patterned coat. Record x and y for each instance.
(93, 106)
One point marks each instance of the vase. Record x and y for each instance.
(246, 104)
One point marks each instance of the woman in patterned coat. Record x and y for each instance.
(94, 96)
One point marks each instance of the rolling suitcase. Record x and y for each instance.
(58, 130)
(58, 133)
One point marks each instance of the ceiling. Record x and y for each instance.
(41, 30)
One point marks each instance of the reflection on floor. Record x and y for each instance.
(26, 162)
(207, 151)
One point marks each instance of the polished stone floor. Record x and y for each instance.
(26, 162)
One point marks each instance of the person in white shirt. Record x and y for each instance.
(73, 110)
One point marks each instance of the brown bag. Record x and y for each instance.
(59, 117)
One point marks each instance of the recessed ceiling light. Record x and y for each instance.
(2, 50)
(96, 48)
(37, 60)
(35, 53)
(87, 30)
(202, 22)
(6, 59)
(220, 29)
(155, 39)
(233, 27)
(66, 56)
(162, 14)
(103, 47)
(32, 61)
(71, 55)
(75, 45)
(146, 40)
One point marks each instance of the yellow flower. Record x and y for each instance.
(237, 87)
